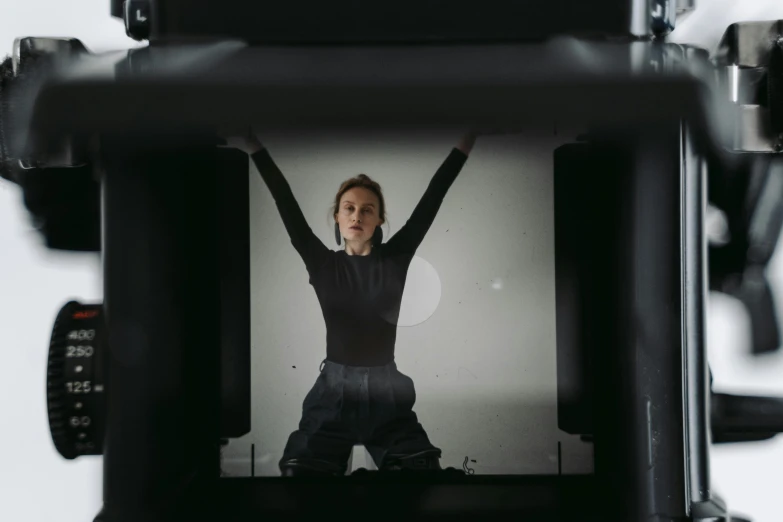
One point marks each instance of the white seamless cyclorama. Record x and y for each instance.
(477, 337)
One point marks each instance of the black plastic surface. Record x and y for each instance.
(232, 189)
(400, 495)
(343, 21)
(226, 84)
(738, 418)
(162, 303)
(619, 324)
(581, 268)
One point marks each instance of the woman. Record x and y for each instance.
(360, 397)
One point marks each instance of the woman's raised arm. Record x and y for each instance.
(410, 236)
(310, 248)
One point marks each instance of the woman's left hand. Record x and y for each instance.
(466, 142)
(245, 140)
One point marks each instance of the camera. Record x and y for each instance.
(576, 280)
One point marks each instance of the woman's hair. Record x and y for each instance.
(363, 181)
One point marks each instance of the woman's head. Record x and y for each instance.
(359, 208)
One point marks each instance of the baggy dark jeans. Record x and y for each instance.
(348, 405)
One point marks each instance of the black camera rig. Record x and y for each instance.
(116, 153)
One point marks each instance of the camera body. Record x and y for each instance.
(168, 351)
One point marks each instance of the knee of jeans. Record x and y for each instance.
(404, 391)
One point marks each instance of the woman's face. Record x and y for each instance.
(358, 214)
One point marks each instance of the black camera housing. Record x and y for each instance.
(632, 368)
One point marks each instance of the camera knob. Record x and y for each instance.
(137, 19)
(76, 380)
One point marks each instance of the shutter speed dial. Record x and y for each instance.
(76, 380)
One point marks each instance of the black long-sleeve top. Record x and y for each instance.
(360, 296)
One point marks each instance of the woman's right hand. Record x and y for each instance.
(246, 141)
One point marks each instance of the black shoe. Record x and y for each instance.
(424, 461)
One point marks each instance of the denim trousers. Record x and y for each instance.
(349, 405)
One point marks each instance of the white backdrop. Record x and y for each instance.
(36, 485)
(484, 363)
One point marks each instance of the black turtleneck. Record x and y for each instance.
(360, 296)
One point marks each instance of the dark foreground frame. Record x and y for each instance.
(156, 110)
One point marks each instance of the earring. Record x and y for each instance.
(337, 232)
(377, 236)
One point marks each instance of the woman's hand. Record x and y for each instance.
(246, 141)
(466, 143)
